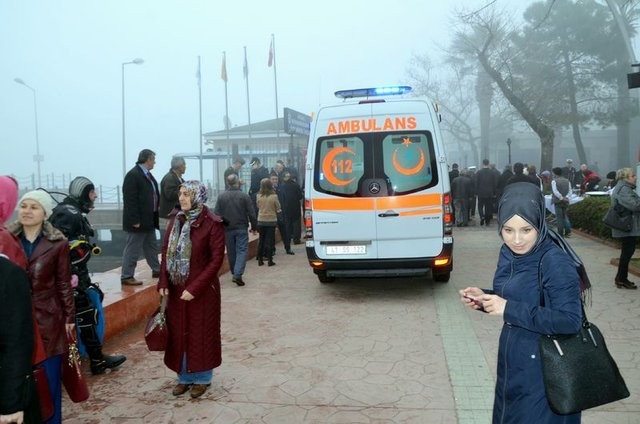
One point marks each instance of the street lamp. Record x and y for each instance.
(37, 158)
(137, 61)
(509, 149)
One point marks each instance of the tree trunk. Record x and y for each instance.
(575, 117)
(623, 158)
(484, 93)
(543, 131)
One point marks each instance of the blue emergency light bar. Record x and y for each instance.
(372, 92)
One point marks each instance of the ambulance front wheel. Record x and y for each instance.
(322, 276)
(442, 276)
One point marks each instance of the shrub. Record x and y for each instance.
(587, 216)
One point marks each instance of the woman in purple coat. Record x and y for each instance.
(532, 257)
(192, 253)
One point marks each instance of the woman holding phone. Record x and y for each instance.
(532, 256)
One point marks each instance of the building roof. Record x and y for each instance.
(270, 126)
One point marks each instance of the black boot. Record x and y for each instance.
(99, 366)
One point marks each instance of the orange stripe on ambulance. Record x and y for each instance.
(371, 124)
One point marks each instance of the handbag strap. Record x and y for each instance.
(585, 321)
(163, 304)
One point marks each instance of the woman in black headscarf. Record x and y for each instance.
(533, 257)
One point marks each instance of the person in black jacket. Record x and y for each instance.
(282, 227)
(18, 397)
(169, 188)
(291, 208)
(486, 186)
(235, 208)
(258, 173)
(140, 218)
(70, 218)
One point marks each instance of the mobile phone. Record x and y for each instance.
(476, 301)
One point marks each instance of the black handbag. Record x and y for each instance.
(619, 218)
(578, 370)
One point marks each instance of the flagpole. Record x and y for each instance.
(200, 115)
(226, 109)
(245, 70)
(275, 81)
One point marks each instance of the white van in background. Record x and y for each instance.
(377, 193)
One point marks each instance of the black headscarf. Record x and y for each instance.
(526, 200)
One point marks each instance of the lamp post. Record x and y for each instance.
(509, 149)
(37, 158)
(137, 61)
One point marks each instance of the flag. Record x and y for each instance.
(270, 54)
(245, 67)
(223, 71)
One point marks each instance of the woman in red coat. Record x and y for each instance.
(192, 253)
(49, 271)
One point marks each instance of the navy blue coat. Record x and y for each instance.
(520, 397)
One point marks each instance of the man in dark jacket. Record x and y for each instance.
(258, 172)
(461, 189)
(486, 185)
(70, 218)
(291, 208)
(282, 227)
(140, 218)
(518, 175)
(235, 208)
(235, 167)
(170, 187)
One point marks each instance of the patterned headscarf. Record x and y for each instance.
(179, 244)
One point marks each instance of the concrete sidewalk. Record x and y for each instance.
(356, 351)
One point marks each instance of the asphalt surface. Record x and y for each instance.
(356, 350)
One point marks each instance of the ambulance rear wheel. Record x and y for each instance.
(322, 276)
(442, 277)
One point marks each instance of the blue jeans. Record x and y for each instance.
(145, 241)
(53, 370)
(201, 377)
(237, 242)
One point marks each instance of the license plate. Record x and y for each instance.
(347, 250)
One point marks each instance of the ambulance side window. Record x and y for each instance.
(409, 161)
(340, 165)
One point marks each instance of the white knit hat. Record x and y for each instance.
(43, 198)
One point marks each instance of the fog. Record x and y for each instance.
(71, 54)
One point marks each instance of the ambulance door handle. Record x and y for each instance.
(387, 214)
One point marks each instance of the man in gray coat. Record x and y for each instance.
(236, 209)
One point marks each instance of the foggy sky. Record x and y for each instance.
(71, 52)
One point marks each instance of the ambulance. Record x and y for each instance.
(377, 192)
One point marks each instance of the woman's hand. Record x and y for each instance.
(469, 295)
(186, 296)
(16, 417)
(71, 331)
(493, 304)
(163, 292)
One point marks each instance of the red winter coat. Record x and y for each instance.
(194, 326)
(50, 276)
(11, 248)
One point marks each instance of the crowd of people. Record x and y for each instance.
(47, 289)
(482, 188)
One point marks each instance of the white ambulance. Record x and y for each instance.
(377, 193)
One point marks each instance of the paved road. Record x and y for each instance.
(356, 351)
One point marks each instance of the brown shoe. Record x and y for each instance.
(238, 280)
(130, 282)
(180, 389)
(198, 390)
